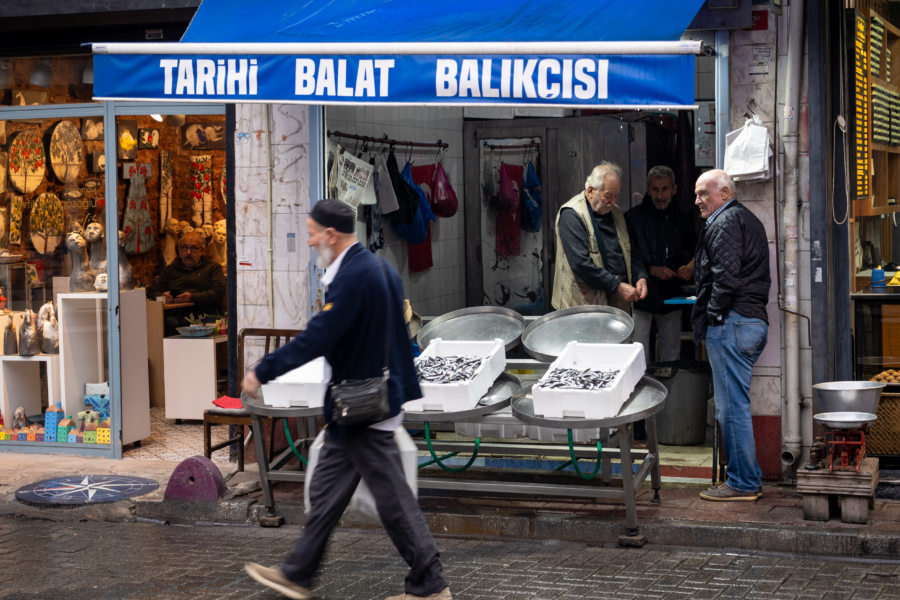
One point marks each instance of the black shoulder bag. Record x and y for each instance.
(358, 401)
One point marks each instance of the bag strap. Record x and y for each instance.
(387, 341)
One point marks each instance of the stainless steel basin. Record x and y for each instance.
(848, 396)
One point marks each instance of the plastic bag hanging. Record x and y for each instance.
(747, 152)
(508, 222)
(444, 200)
(532, 201)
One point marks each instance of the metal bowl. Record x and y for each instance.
(545, 338)
(845, 420)
(849, 396)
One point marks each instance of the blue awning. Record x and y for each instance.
(530, 53)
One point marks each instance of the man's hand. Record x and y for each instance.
(169, 297)
(251, 383)
(627, 293)
(183, 297)
(686, 272)
(641, 287)
(662, 272)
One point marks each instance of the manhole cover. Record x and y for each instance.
(77, 490)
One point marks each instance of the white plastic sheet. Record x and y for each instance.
(363, 503)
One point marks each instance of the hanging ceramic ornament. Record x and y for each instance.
(165, 189)
(66, 152)
(15, 219)
(201, 189)
(47, 223)
(136, 223)
(27, 162)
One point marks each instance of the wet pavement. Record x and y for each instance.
(95, 560)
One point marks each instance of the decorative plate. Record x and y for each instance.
(196, 330)
(27, 161)
(47, 223)
(66, 152)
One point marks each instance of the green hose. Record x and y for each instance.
(439, 460)
(575, 460)
(287, 435)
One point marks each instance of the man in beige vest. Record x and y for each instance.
(594, 262)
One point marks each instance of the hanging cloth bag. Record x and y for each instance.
(508, 222)
(407, 198)
(532, 203)
(443, 199)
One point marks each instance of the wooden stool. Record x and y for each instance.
(824, 490)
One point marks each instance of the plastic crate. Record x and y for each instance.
(463, 395)
(628, 359)
(304, 386)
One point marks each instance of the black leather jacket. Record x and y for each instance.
(661, 238)
(731, 269)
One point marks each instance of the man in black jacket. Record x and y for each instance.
(664, 241)
(731, 269)
(359, 330)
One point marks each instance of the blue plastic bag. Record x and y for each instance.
(415, 232)
(532, 202)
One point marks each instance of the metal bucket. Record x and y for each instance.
(848, 396)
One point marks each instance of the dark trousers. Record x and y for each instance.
(374, 456)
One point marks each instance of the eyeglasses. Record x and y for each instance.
(191, 248)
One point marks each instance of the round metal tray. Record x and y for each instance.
(475, 324)
(845, 420)
(546, 337)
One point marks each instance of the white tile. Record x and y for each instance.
(291, 253)
(291, 298)
(290, 179)
(251, 184)
(252, 219)
(251, 288)
(249, 139)
(290, 124)
(253, 316)
(765, 395)
(251, 253)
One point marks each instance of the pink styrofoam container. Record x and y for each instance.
(451, 397)
(628, 359)
(304, 386)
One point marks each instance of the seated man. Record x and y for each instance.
(190, 278)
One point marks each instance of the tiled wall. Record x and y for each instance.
(441, 288)
(289, 288)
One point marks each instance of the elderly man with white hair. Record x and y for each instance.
(731, 270)
(594, 261)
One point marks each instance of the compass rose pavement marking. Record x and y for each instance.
(86, 489)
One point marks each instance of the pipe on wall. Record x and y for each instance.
(792, 445)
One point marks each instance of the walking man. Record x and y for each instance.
(731, 269)
(363, 309)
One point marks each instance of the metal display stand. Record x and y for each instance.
(269, 466)
(646, 400)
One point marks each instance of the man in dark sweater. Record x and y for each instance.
(359, 330)
(731, 269)
(190, 278)
(663, 239)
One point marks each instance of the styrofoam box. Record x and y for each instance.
(628, 359)
(463, 395)
(561, 436)
(304, 386)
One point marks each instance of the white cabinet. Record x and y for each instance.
(190, 371)
(83, 354)
(20, 384)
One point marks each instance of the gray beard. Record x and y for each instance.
(325, 257)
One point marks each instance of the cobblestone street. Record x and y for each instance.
(93, 560)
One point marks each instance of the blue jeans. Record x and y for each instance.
(733, 348)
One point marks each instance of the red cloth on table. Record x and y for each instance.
(228, 402)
